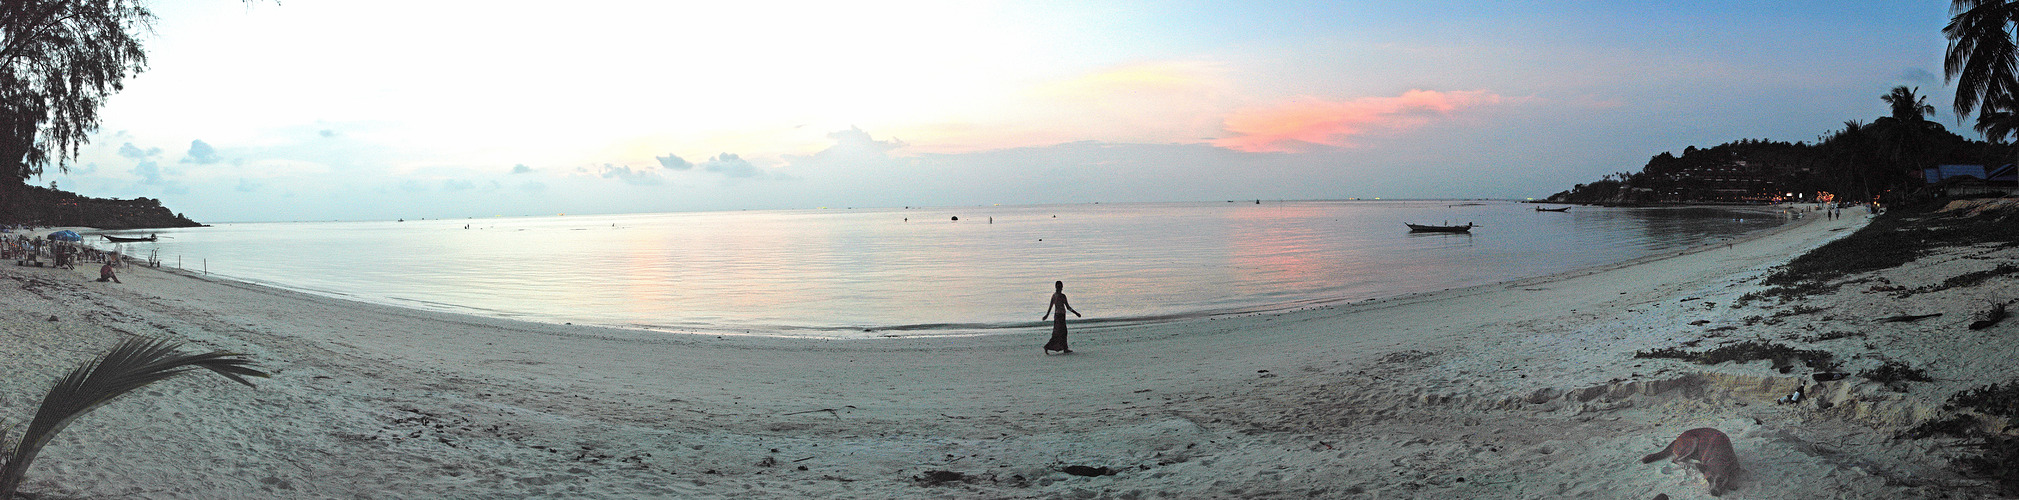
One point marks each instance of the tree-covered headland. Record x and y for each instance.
(1878, 161)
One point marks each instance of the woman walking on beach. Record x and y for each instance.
(1059, 306)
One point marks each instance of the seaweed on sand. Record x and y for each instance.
(1958, 425)
(1998, 455)
(1898, 237)
(1830, 335)
(1895, 375)
(1997, 461)
(1750, 350)
(1994, 399)
(1964, 280)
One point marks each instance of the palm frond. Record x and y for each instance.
(131, 365)
(1980, 57)
(1998, 126)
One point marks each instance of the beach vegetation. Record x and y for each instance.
(131, 365)
(1747, 351)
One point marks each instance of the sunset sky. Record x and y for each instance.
(382, 109)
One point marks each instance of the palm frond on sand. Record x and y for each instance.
(131, 365)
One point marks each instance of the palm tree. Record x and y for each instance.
(1906, 138)
(1908, 104)
(131, 365)
(1853, 155)
(1982, 59)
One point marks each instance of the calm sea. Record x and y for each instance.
(917, 271)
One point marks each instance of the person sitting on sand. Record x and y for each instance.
(105, 274)
(1058, 306)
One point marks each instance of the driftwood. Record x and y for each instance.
(1907, 318)
(1991, 317)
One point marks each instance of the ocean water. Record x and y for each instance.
(850, 273)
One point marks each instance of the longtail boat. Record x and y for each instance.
(1421, 228)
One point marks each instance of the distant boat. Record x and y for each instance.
(116, 239)
(1421, 228)
(1564, 209)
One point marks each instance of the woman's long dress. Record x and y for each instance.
(1058, 342)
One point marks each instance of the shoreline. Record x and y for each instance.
(1483, 391)
(955, 327)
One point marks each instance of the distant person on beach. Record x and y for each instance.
(105, 274)
(1058, 306)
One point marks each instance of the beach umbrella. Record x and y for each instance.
(66, 235)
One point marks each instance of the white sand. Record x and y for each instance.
(1517, 390)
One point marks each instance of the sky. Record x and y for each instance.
(385, 109)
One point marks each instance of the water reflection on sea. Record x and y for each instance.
(871, 272)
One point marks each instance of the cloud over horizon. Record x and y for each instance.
(1295, 126)
(673, 162)
(731, 165)
(640, 177)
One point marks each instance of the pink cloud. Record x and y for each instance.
(1297, 125)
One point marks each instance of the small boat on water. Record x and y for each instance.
(1564, 209)
(1422, 228)
(117, 239)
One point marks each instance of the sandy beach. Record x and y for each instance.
(1526, 389)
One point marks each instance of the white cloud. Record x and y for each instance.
(673, 162)
(130, 151)
(639, 177)
(201, 153)
(730, 165)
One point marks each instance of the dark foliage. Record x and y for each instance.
(1860, 162)
(59, 61)
(48, 207)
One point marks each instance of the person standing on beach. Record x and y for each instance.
(1059, 306)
